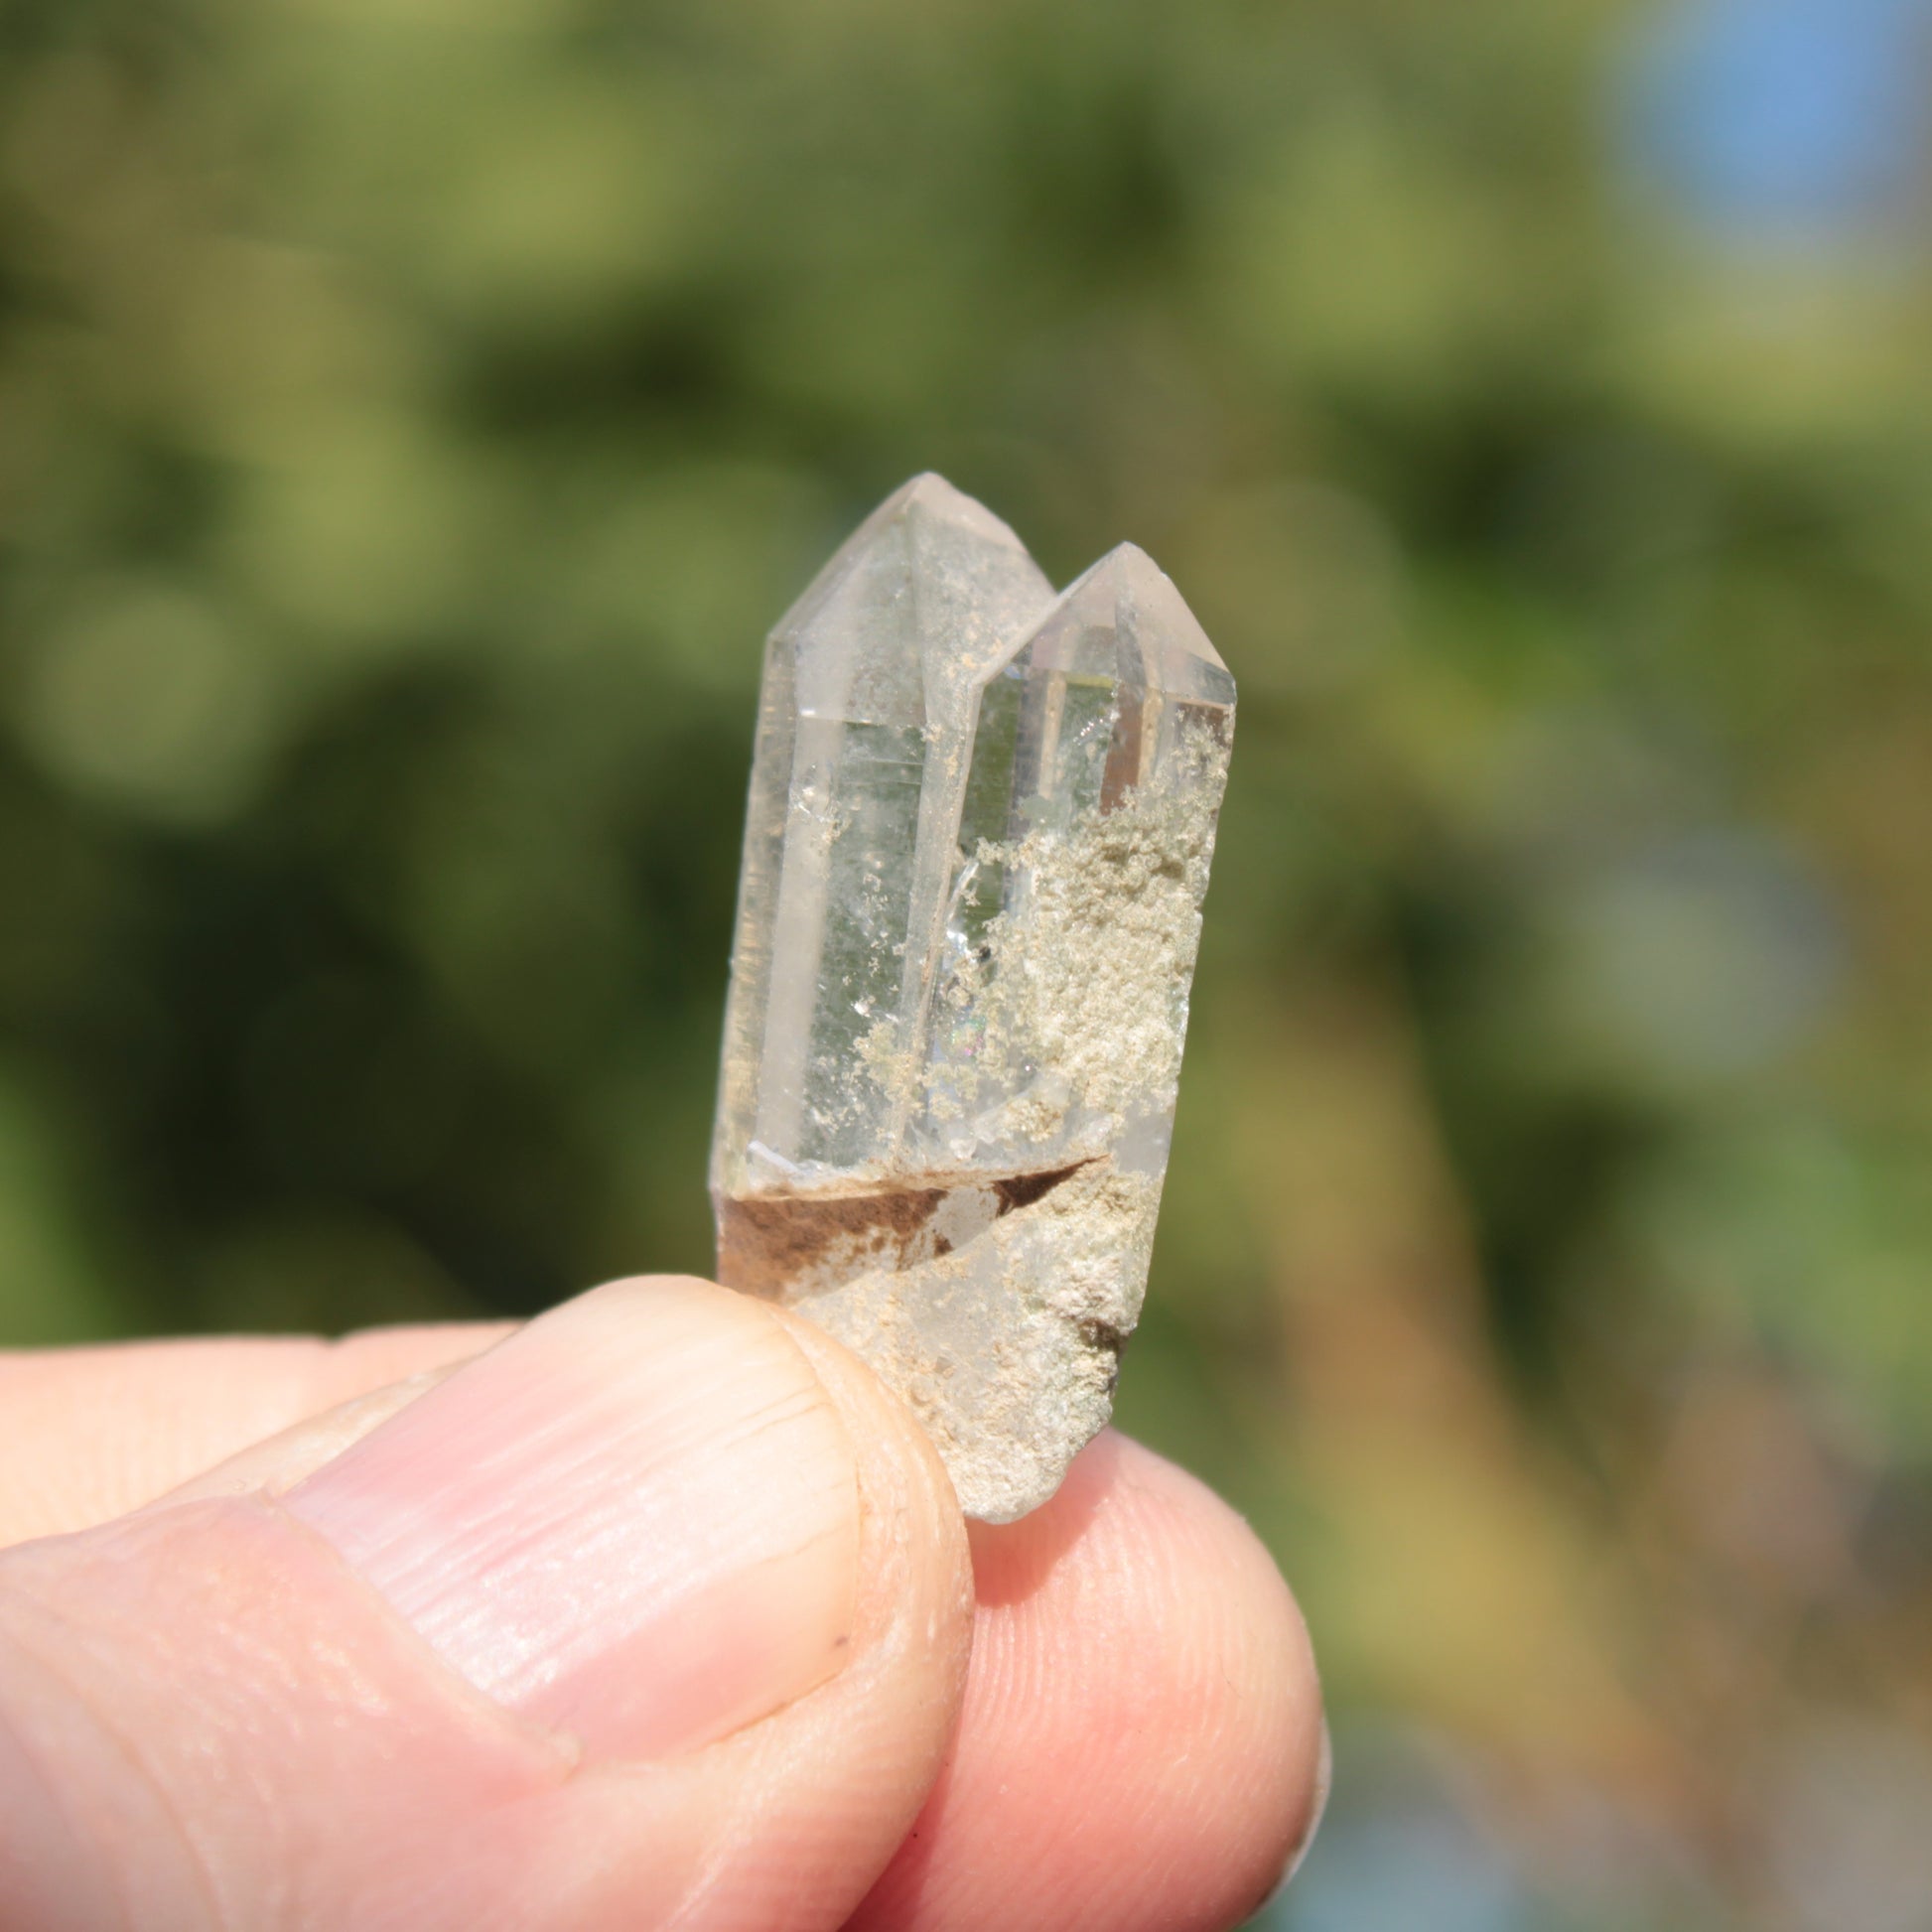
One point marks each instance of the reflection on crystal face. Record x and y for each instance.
(980, 827)
(869, 785)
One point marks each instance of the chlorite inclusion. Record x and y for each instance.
(979, 833)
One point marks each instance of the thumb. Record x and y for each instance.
(656, 1612)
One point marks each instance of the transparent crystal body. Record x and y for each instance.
(980, 827)
(870, 684)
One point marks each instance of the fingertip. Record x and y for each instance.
(1243, 1664)
(916, 1565)
(1142, 1735)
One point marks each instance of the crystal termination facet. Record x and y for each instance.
(979, 833)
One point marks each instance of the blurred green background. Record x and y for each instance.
(412, 414)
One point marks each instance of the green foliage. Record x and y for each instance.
(411, 416)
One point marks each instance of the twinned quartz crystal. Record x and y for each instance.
(980, 825)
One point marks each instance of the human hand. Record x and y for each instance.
(660, 1612)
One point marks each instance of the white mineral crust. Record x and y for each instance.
(980, 825)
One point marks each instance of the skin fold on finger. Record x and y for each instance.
(245, 1733)
(273, 1467)
(1141, 1743)
(94, 1433)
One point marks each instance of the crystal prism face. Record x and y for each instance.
(980, 828)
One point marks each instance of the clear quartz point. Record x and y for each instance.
(979, 833)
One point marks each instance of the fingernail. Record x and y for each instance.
(636, 1520)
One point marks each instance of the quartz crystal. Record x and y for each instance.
(978, 832)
